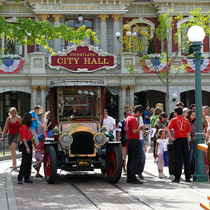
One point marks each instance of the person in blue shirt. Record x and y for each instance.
(35, 122)
(146, 116)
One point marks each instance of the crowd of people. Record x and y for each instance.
(173, 140)
(24, 132)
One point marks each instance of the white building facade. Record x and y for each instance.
(106, 17)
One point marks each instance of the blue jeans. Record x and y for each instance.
(192, 157)
(142, 157)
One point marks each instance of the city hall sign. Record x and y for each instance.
(83, 58)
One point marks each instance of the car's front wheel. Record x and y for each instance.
(114, 164)
(50, 164)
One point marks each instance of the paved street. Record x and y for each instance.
(86, 190)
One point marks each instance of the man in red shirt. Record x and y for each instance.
(132, 131)
(182, 129)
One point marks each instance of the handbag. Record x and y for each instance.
(123, 140)
(165, 157)
(20, 146)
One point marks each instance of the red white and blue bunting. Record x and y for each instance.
(154, 65)
(190, 65)
(11, 66)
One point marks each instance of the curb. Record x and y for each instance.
(9, 157)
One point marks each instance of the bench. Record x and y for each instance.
(206, 206)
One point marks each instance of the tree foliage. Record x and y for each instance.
(29, 31)
(167, 24)
(135, 39)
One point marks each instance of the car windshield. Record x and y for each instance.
(79, 104)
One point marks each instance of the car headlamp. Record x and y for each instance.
(66, 140)
(100, 139)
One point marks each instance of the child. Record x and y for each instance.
(39, 155)
(159, 151)
(48, 131)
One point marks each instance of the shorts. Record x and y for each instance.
(160, 161)
(124, 152)
(50, 133)
(38, 156)
(13, 138)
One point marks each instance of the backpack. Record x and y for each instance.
(123, 135)
(154, 118)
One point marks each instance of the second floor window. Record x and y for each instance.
(74, 23)
(12, 47)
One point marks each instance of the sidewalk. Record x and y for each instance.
(160, 194)
(7, 196)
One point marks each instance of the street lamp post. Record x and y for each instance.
(196, 34)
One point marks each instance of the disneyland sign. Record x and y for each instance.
(83, 58)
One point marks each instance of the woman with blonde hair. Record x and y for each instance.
(48, 129)
(12, 125)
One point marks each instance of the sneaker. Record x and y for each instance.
(161, 175)
(188, 180)
(39, 176)
(124, 172)
(141, 176)
(171, 177)
(28, 181)
(20, 182)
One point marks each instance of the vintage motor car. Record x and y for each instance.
(79, 144)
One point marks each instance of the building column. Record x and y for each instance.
(131, 95)
(116, 28)
(33, 96)
(103, 31)
(123, 89)
(57, 42)
(43, 98)
(43, 17)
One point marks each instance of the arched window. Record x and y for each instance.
(11, 47)
(141, 30)
(182, 37)
(142, 36)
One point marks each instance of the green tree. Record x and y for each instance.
(163, 33)
(28, 31)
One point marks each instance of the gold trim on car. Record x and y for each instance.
(100, 134)
(68, 135)
(78, 128)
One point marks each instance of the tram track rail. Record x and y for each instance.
(79, 190)
(101, 177)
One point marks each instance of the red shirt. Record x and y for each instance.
(181, 127)
(130, 124)
(14, 128)
(25, 132)
(40, 146)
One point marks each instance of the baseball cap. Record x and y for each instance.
(40, 137)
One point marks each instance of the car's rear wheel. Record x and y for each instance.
(114, 164)
(50, 164)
